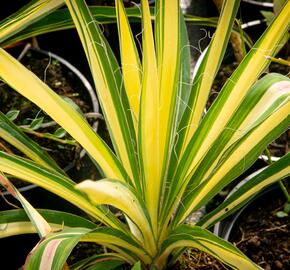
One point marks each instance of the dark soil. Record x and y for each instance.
(264, 237)
(193, 259)
(63, 82)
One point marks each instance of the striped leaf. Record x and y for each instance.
(108, 81)
(122, 197)
(227, 103)
(16, 222)
(148, 137)
(109, 237)
(27, 84)
(185, 79)
(61, 20)
(184, 89)
(107, 261)
(13, 135)
(266, 96)
(234, 92)
(255, 183)
(202, 81)
(53, 250)
(205, 74)
(238, 158)
(131, 66)
(34, 10)
(36, 219)
(55, 183)
(167, 38)
(206, 241)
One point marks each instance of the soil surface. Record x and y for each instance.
(264, 237)
(193, 259)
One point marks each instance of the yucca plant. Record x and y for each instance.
(169, 158)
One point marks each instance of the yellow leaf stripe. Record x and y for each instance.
(149, 117)
(168, 73)
(109, 89)
(213, 59)
(26, 16)
(131, 67)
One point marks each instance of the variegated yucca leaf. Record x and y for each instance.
(169, 157)
(39, 223)
(33, 11)
(131, 66)
(255, 183)
(205, 74)
(108, 81)
(227, 103)
(265, 107)
(16, 222)
(103, 261)
(202, 80)
(54, 182)
(122, 197)
(13, 135)
(53, 251)
(204, 240)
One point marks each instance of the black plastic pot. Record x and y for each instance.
(227, 227)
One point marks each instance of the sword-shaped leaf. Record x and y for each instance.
(53, 250)
(33, 11)
(148, 137)
(121, 196)
(196, 237)
(61, 20)
(55, 183)
(238, 158)
(16, 222)
(108, 80)
(13, 135)
(233, 92)
(168, 41)
(131, 66)
(228, 102)
(256, 182)
(204, 76)
(40, 224)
